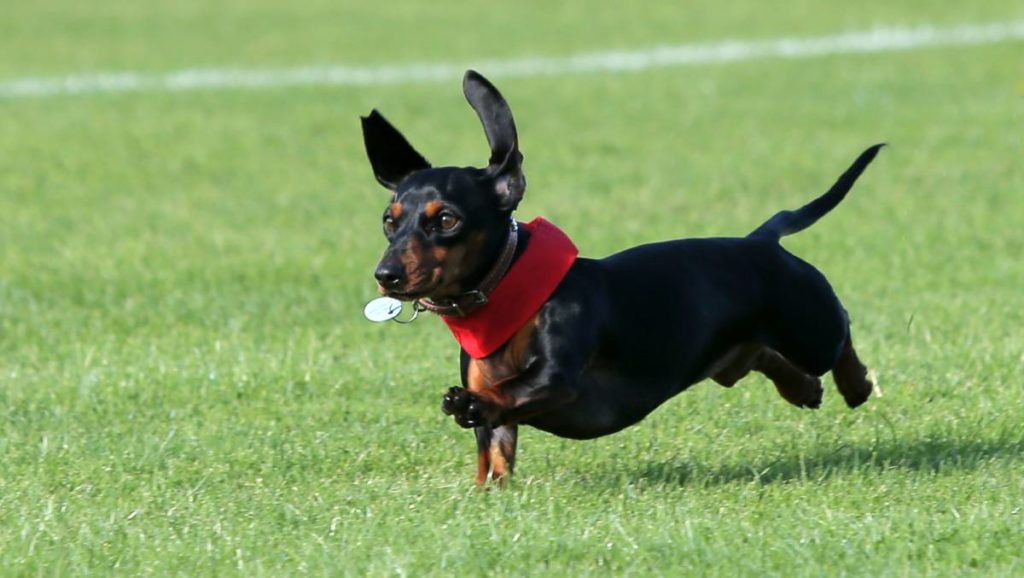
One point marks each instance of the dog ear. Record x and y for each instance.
(391, 156)
(506, 162)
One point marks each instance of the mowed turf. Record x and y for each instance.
(187, 386)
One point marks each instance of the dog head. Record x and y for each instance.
(445, 225)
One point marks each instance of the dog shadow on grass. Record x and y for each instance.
(921, 455)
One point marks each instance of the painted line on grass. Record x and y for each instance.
(875, 40)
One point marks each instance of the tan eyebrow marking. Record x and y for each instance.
(396, 210)
(433, 208)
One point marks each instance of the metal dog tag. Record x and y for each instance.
(382, 309)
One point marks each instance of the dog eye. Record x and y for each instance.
(389, 224)
(448, 221)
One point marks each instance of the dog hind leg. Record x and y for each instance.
(851, 376)
(735, 365)
(793, 384)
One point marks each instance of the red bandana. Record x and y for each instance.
(522, 291)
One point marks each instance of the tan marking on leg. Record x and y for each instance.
(505, 363)
(486, 378)
(483, 466)
(498, 464)
(503, 453)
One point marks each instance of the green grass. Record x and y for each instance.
(187, 386)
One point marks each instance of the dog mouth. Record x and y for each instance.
(402, 295)
(412, 292)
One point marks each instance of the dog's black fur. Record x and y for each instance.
(620, 335)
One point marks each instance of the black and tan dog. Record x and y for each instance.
(618, 336)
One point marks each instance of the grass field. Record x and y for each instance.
(187, 386)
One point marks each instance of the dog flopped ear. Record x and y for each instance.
(391, 156)
(506, 162)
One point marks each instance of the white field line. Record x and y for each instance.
(876, 40)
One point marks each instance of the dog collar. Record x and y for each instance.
(519, 292)
(472, 300)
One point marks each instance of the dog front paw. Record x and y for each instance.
(463, 406)
(456, 400)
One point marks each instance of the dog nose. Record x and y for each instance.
(390, 275)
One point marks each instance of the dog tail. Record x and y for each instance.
(789, 222)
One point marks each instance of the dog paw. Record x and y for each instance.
(459, 403)
(813, 394)
(804, 392)
(456, 400)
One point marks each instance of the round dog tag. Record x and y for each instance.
(382, 309)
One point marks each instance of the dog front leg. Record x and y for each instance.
(509, 401)
(484, 436)
(496, 453)
(494, 412)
